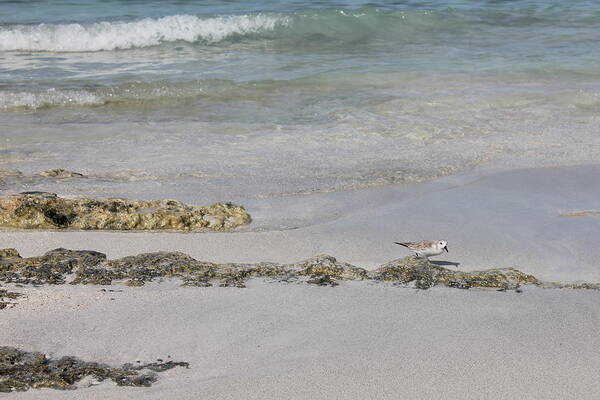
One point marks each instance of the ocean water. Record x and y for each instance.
(232, 99)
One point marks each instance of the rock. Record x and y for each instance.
(426, 274)
(324, 265)
(51, 268)
(61, 173)
(322, 280)
(198, 281)
(9, 253)
(21, 371)
(90, 267)
(41, 210)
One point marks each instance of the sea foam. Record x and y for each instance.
(48, 98)
(126, 35)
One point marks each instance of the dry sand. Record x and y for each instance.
(359, 340)
(354, 341)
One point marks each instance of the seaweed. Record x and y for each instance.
(22, 370)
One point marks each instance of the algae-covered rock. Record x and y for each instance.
(61, 173)
(322, 280)
(90, 267)
(41, 210)
(425, 274)
(9, 253)
(21, 370)
(324, 265)
(51, 268)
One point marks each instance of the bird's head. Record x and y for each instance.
(442, 244)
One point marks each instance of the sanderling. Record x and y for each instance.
(426, 248)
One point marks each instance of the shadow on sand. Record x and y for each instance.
(445, 263)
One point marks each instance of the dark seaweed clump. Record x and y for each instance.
(21, 370)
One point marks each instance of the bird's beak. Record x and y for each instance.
(446, 248)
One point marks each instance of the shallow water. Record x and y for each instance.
(269, 97)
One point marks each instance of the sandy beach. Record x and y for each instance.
(348, 342)
(201, 199)
(359, 339)
(505, 219)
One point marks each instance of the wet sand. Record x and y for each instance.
(508, 219)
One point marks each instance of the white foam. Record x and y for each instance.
(48, 98)
(127, 35)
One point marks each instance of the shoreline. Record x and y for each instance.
(525, 230)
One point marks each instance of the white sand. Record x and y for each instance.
(360, 340)
(289, 341)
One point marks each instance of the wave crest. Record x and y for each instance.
(126, 35)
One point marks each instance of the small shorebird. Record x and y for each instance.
(426, 248)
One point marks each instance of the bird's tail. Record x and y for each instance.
(402, 244)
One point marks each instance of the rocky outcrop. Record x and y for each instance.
(21, 370)
(42, 210)
(425, 274)
(90, 267)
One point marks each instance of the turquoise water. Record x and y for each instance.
(287, 96)
(113, 42)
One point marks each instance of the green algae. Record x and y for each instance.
(42, 210)
(21, 370)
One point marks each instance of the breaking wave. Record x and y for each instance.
(299, 28)
(127, 35)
